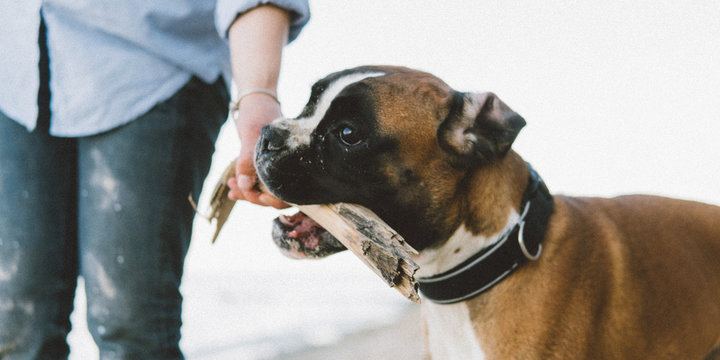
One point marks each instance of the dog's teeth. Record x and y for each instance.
(285, 220)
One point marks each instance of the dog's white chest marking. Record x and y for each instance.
(301, 129)
(450, 332)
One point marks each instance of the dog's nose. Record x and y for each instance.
(273, 139)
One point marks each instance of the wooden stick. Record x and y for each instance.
(377, 245)
(220, 204)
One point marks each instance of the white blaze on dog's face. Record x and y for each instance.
(300, 129)
(395, 140)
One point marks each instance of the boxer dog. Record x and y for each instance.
(507, 271)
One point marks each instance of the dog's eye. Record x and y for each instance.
(350, 136)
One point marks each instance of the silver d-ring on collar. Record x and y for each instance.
(521, 239)
(523, 248)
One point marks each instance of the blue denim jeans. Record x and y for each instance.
(113, 209)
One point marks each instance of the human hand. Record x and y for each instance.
(255, 111)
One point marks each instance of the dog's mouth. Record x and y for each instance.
(300, 237)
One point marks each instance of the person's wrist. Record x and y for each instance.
(252, 92)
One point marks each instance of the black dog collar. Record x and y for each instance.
(486, 268)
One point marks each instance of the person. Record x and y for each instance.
(108, 116)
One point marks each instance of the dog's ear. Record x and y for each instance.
(479, 128)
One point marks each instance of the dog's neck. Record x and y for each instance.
(481, 222)
(470, 263)
(491, 192)
(462, 245)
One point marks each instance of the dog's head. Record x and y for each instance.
(397, 141)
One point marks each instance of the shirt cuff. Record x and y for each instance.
(227, 11)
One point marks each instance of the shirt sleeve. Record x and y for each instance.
(227, 11)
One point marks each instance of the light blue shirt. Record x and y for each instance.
(112, 61)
